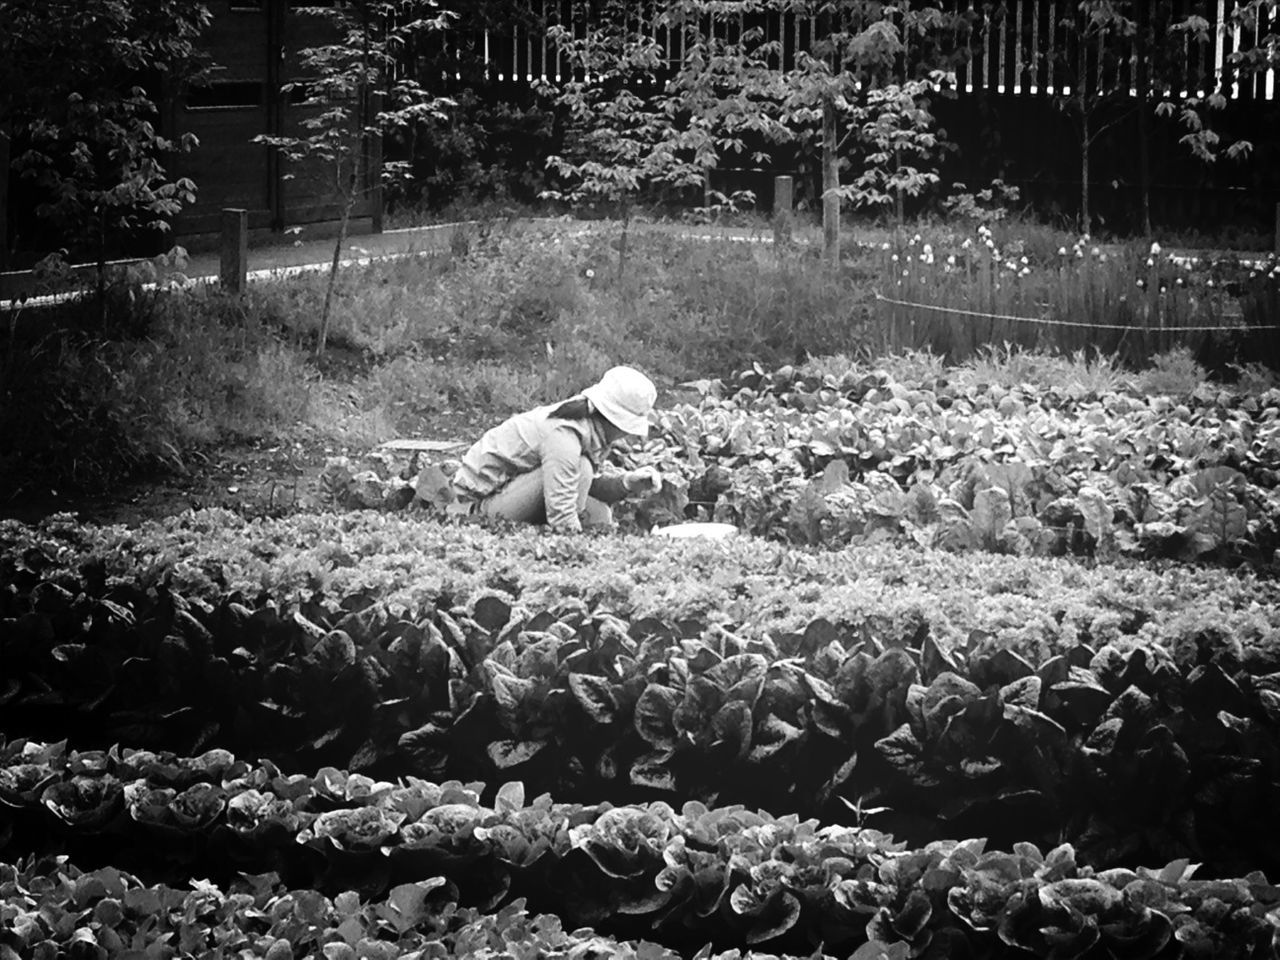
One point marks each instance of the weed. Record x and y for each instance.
(1175, 373)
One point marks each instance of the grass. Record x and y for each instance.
(956, 293)
(511, 317)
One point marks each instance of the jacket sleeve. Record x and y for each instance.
(561, 478)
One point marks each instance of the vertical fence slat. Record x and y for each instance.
(1003, 83)
(1017, 48)
(969, 55)
(1220, 39)
(1035, 48)
(1269, 84)
(1053, 44)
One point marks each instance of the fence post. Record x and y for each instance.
(234, 250)
(782, 205)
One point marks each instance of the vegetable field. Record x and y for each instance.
(989, 671)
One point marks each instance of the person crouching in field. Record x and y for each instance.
(547, 465)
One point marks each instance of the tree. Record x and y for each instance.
(728, 94)
(627, 131)
(358, 94)
(1093, 32)
(1193, 111)
(1108, 38)
(855, 90)
(78, 88)
(615, 121)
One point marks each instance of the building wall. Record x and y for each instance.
(255, 48)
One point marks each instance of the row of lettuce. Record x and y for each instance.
(1127, 748)
(968, 466)
(725, 876)
(756, 587)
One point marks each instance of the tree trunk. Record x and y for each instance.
(624, 211)
(830, 185)
(1086, 218)
(347, 207)
(1144, 160)
(1144, 118)
(6, 134)
(899, 203)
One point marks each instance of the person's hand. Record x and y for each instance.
(642, 482)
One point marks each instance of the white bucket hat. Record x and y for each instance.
(624, 396)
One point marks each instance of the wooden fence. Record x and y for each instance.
(1010, 48)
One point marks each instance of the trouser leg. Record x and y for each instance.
(521, 500)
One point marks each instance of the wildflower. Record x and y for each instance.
(1178, 282)
(967, 244)
(915, 239)
(1095, 252)
(951, 262)
(1025, 261)
(1155, 248)
(1210, 283)
(1062, 251)
(894, 258)
(1150, 262)
(1025, 272)
(590, 273)
(884, 246)
(906, 273)
(1102, 258)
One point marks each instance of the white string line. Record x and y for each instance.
(1072, 323)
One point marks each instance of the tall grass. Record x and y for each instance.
(80, 409)
(954, 294)
(512, 318)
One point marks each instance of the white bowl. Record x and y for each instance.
(684, 531)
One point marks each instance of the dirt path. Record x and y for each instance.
(262, 477)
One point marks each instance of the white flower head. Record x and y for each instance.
(1062, 251)
(1155, 248)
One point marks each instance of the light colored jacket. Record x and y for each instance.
(532, 440)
